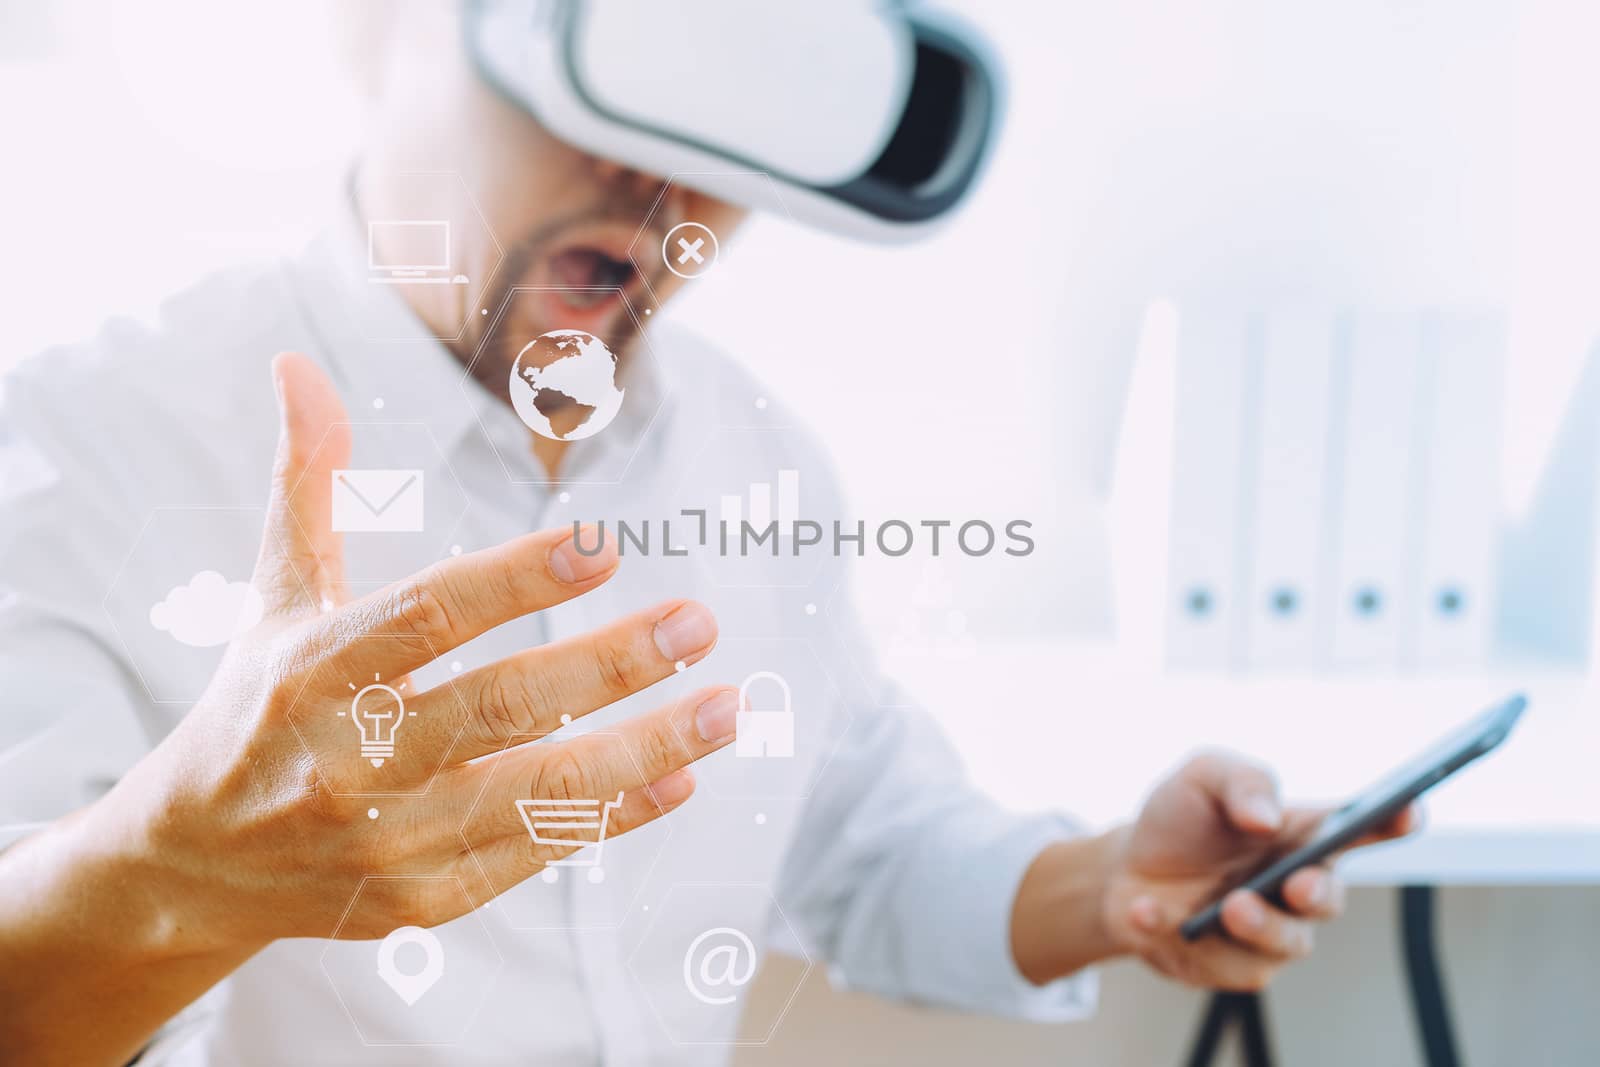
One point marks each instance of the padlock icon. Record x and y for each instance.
(766, 733)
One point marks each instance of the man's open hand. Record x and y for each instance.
(253, 825)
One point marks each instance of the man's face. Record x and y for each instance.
(565, 219)
(569, 222)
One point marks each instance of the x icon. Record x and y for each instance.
(691, 251)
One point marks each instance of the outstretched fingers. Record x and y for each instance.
(300, 561)
(542, 841)
(457, 599)
(641, 752)
(534, 691)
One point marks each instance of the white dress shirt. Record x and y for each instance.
(138, 459)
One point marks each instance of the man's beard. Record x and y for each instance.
(490, 344)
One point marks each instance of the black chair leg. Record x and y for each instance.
(1223, 1010)
(1426, 983)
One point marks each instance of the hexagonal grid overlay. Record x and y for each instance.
(670, 249)
(415, 986)
(504, 825)
(931, 627)
(396, 506)
(425, 239)
(700, 954)
(378, 733)
(175, 606)
(792, 719)
(513, 361)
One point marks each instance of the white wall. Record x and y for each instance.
(146, 144)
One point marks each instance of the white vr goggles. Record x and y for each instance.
(873, 118)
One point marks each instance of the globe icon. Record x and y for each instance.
(566, 371)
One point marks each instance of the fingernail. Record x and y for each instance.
(1317, 892)
(1252, 914)
(716, 719)
(1265, 811)
(278, 393)
(686, 631)
(569, 565)
(673, 789)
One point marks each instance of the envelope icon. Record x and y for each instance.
(377, 501)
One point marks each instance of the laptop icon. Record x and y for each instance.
(410, 252)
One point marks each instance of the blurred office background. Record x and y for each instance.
(1371, 169)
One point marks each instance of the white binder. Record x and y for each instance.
(1286, 602)
(1464, 383)
(1203, 608)
(1378, 508)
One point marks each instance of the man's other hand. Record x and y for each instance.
(1207, 827)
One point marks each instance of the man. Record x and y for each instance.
(215, 817)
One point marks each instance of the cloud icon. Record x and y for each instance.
(209, 611)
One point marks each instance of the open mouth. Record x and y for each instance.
(588, 281)
(588, 277)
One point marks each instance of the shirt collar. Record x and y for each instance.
(376, 348)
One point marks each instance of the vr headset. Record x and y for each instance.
(874, 119)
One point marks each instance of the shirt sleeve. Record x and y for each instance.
(68, 731)
(70, 709)
(903, 875)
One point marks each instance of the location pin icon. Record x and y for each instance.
(411, 987)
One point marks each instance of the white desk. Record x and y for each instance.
(1081, 727)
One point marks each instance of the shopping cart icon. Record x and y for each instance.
(569, 823)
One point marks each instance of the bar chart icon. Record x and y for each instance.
(760, 506)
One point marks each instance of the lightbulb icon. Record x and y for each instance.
(377, 710)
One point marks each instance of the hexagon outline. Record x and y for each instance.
(466, 498)
(116, 579)
(444, 757)
(664, 389)
(787, 1004)
(333, 939)
(499, 260)
(672, 178)
(529, 737)
(835, 736)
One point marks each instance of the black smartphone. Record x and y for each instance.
(1384, 800)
